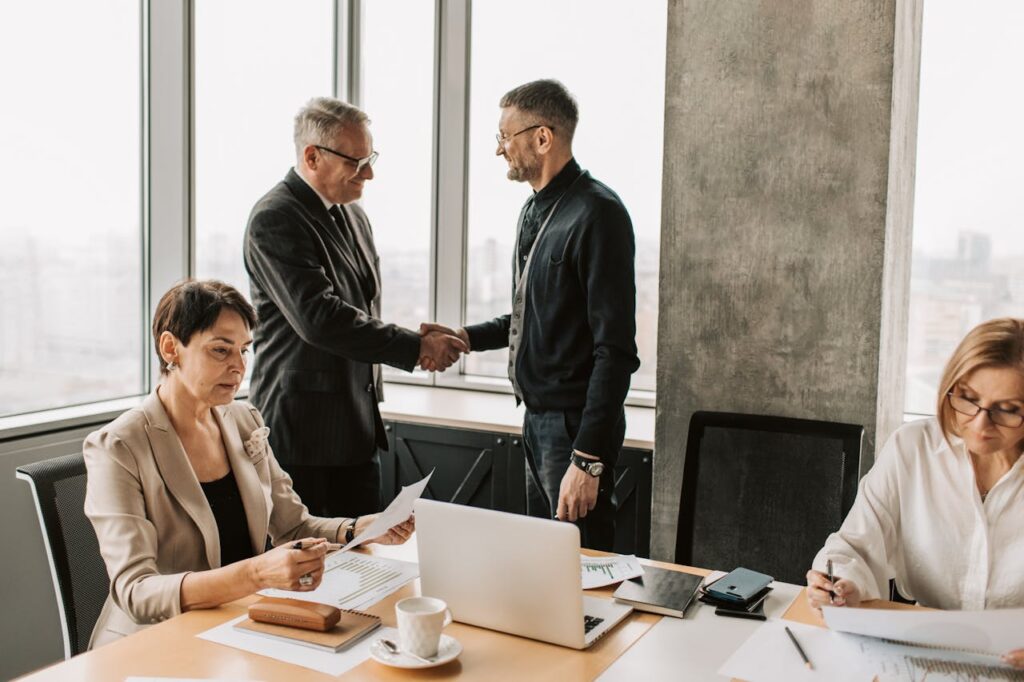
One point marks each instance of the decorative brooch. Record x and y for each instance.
(256, 446)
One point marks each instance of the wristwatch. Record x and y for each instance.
(593, 467)
(350, 532)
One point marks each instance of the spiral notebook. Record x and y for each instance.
(353, 626)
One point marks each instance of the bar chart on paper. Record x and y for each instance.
(600, 571)
(355, 581)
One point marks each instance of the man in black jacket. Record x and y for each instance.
(315, 281)
(571, 332)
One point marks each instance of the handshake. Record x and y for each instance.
(441, 346)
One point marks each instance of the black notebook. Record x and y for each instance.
(659, 590)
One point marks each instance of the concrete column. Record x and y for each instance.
(790, 130)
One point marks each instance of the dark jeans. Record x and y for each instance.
(332, 491)
(548, 437)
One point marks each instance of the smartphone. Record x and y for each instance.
(740, 586)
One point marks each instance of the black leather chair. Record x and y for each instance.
(79, 574)
(764, 492)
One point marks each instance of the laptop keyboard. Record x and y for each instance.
(591, 622)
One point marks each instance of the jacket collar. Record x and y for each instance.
(180, 478)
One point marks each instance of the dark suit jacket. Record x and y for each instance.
(318, 300)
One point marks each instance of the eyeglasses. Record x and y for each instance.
(504, 139)
(969, 408)
(360, 163)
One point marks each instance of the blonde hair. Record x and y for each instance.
(996, 343)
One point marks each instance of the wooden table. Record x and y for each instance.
(171, 648)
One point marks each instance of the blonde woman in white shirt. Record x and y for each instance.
(942, 509)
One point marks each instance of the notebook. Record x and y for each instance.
(353, 626)
(659, 590)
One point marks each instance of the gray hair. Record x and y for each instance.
(549, 101)
(320, 121)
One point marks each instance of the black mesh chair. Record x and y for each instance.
(764, 492)
(79, 574)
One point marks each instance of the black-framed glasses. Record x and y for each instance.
(360, 163)
(504, 139)
(969, 408)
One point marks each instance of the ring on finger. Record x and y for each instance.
(306, 580)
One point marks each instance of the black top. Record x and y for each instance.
(578, 345)
(232, 526)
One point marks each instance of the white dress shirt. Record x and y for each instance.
(919, 518)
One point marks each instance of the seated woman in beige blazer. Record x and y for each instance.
(184, 491)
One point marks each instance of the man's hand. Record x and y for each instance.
(440, 346)
(577, 494)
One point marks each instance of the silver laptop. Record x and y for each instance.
(512, 573)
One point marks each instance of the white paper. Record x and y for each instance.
(769, 656)
(398, 511)
(355, 581)
(893, 662)
(187, 679)
(695, 647)
(608, 570)
(323, 661)
(991, 632)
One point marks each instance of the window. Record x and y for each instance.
(70, 233)
(256, 63)
(397, 92)
(619, 139)
(968, 244)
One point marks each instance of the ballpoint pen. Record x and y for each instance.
(799, 649)
(306, 544)
(831, 581)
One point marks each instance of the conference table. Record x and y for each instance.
(636, 647)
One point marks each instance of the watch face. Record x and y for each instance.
(596, 469)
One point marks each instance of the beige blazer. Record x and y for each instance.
(152, 519)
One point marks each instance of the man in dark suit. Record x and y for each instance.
(315, 281)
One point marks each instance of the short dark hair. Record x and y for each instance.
(547, 99)
(192, 306)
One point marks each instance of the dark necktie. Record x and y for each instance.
(344, 233)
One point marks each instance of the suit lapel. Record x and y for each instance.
(178, 475)
(324, 222)
(249, 485)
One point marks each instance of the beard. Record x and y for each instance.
(525, 169)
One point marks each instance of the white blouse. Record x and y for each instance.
(919, 518)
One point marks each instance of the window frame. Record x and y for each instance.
(168, 181)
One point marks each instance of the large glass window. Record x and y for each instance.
(70, 231)
(256, 63)
(619, 138)
(397, 84)
(968, 241)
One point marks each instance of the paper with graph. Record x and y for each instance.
(355, 581)
(608, 570)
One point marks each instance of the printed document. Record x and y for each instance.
(399, 510)
(354, 581)
(991, 632)
(608, 570)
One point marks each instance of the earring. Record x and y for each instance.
(171, 366)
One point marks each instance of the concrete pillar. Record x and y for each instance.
(790, 130)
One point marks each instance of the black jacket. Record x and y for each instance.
(578, 344)
(319, 334)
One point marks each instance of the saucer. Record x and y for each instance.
(448, 649)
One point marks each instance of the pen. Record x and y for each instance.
(799, 649)
(831, 581)
(306, 544)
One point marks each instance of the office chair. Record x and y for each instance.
(79, 574)
(764, 492)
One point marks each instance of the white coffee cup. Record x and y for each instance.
(420, 621)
